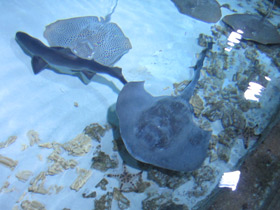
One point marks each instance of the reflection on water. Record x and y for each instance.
(253, 91)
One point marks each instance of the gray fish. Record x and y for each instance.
(62, 60)
(160, 130)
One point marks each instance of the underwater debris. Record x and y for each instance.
(103, 162)
(8, 142)
(204, 174)
(91, 195)
(60, 164)
(102, 184)
(33, 205)
(248, 133)
(213, 111)
(82, 178)
(179, 87)
(104, 203)
(96, 131)
(161, 201)
(233, 117)
(227, 136)
(169, 179)
(123, 202)
(224, 152)
(76, 104)
(198, 191)
(197, 104)
(128, 182)
(33, 137)
(24, 175)
(203, 40)
(8, 162)
(57, 188)
(218, 31)
(47, 145)
(78, 146)
(5, 186)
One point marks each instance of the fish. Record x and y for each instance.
(160, 130)
(62, 60)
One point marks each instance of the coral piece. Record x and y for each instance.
(8, 162)
(8, 142)
(224, 153)
(83, 177)
(79, 146)
(179, 87)
(95, 131)
(248, 133)
(103, 162)
(24, 175)
(60, 164)
(123, 202)
(33, 137)
(102, 184)
(37, 184)
(167, 179)
(5, 186)
(48, 145)
(33, 205)
(91, 195)
(197, 104)
(105, 202)
(161, 201)
(128, 182)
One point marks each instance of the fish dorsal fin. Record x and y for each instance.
(38, 64)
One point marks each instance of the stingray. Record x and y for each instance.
(208, 11)
(89, 38)
(160, 130)
(254, 27)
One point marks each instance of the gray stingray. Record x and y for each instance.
(62, 60)
(254, 28)
(208, 11)
(160, 130)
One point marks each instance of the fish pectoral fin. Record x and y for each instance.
(85, 76)
(38, 64)
(88, 74)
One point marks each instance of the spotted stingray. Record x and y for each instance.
(160, 130)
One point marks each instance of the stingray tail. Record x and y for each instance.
(117, 72)
(187, 93)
